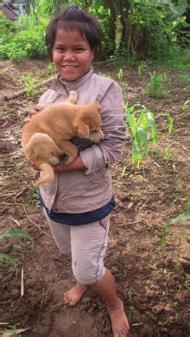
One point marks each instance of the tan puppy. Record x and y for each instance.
(47, 135)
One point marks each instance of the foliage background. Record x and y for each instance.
(131, 29)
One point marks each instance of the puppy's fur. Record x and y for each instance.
(47, 135)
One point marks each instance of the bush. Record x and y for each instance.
(25, 44)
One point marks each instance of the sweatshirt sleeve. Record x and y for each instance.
(108, 151)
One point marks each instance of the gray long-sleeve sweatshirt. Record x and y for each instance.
(83, 191)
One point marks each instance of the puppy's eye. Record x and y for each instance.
(94, 130)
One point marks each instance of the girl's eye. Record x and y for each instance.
(79, 49)
(60, 49)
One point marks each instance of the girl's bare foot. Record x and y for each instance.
(73, 295)
(120, 324)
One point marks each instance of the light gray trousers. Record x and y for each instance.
(87, 245)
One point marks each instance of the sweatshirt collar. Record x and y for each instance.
(75, 85)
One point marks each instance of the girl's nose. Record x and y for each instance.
(68, 55)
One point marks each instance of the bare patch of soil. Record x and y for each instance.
(145, 254)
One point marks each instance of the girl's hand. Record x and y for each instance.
(59, 168)
(33, 112)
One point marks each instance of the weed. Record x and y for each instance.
(51, 69)
(120, 73)
(131, 311)
(182, 217)
(168, 152)
(12, 331)
(142, 68)
(187, 282)
(34, 197)
(13, 233)
(125, 89)
(155, 88)
(170, 124)
(29, 85)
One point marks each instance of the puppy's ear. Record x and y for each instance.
(82, 130)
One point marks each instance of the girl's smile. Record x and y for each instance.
(72, 54)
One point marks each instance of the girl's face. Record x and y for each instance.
(72, 54)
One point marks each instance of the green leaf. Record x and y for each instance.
(170, 124)
(16, 233)
(6, 258)
(141, 138)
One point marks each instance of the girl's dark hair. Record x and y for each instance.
(74, 18)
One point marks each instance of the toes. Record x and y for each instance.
(66, 298)
(122, 332)
(116, 334)
(72, 302)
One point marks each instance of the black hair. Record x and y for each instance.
(74, 18)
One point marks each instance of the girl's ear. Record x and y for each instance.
(82, 130)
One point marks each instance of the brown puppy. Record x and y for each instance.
(47, 135)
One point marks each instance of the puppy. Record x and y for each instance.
(47, 135)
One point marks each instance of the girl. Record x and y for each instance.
(78, 202)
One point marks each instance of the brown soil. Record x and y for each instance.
(149, 258)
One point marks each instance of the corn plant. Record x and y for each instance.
(143, 130)
(155, 88)
(13, 233)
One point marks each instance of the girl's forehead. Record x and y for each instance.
(69, 35)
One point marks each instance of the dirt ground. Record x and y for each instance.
(149, 258)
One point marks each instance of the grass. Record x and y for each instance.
(179, 60)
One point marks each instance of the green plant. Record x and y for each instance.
(13, 233)
(51, 69)
(12, 331)
(120, 73)
(142, 68)
(170, 124)
(29, 43)
(34, 197)
(168, 152)
(155, 88)
(29, 85)
(143, 130)
(187, 282)
(125, 89)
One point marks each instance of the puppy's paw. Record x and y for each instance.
(73, 97)
(54, 160)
